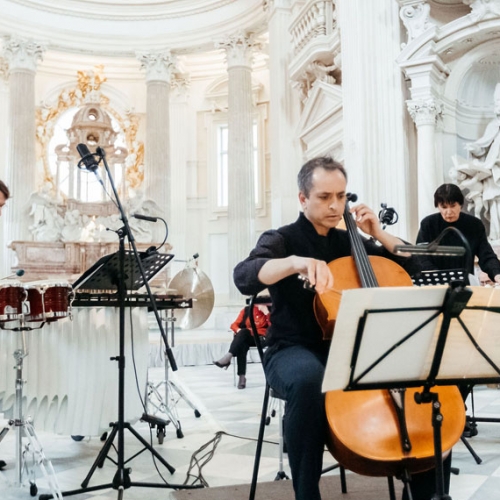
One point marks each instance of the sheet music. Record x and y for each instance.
(412, 360)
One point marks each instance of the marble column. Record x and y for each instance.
(22, 57)
(373, 106)
(283, 115)
(424, 113)
(159, 69)
(4, 94)
(241, 199)
(179, 140)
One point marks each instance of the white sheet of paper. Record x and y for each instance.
(411, 360)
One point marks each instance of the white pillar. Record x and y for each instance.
(22, 57)
(373, 110)
(179, 158)
(4, 102)
(157, 167)
(241, 199)
(424, 113)
(286, 158)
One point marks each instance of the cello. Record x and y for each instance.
(380, 432)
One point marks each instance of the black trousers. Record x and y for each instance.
(242, 341)
(423, 484)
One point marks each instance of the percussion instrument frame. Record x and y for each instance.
(117, 277)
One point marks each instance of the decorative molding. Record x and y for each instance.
(239, 48)
(424, 111)
(128, 11)
(416, 17)
(179, 86)
(4, 70)
(315, 71)
(481, 9)
(159, 66)
(22, 53)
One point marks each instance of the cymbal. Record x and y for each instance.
(192, 283)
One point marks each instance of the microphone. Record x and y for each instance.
(431, 249)
(88, 158)
(145, 217)
(19, 272)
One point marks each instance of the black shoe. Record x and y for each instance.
(2, 464)
(242, 383)
(220, 365)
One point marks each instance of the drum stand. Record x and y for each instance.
(167, 403)
(24, 427)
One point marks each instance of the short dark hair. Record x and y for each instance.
(4, 190)
(304, 178)
(447, 194)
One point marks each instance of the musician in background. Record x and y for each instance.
(243, 340)
(295, 359)
(449, 200)
(4, 196)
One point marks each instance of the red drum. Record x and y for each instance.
(12, 296)
(48, 300)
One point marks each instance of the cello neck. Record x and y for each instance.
(363, 265)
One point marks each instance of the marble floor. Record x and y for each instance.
(227, 429)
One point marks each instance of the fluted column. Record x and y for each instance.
(424, 113)
(22, 57)
(159, 68)
(283, 114)
(179, 138)
(4, 93)
(373, 110)
(241, 199)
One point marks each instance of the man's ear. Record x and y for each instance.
(302, 198)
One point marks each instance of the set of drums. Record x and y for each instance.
(35, 301)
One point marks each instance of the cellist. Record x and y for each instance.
(296, 356)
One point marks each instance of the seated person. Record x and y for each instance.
(243, 340)
(448, 199)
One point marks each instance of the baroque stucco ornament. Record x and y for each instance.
(159, 66)
(416, 18)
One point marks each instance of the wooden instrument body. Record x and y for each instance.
(364, 430)
(364, 433)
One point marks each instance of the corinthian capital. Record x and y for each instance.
(159, 66)
(21, 53)
(424, 111)
(239, 48)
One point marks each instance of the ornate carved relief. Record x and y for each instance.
(416, 17)
(23, 54)
(316, 70)
(239, 48)
(159, 66)
(179, 86)
(424, 111)
(483, 8)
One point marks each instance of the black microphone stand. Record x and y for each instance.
(121, 479)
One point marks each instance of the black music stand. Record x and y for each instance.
(116, 270)
(105, 273)
(406, 345)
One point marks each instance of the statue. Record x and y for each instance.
(47, 222)
(480, 173)
(74, 226)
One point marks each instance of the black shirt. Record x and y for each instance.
(292, 313)
(473, 230)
